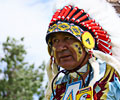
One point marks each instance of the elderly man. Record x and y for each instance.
(72, 38)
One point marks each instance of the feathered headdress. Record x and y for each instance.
(103, 22)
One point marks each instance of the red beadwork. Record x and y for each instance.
(101, 35)
(99, 31)
(90, 53)
(105, 44)
(92, 24)
(67, 11)
(54, 18)
(56, 14)
(82, 18)
(77, 15)
(104, 49)
(95, 27)
(71, 13)
(62, 12)
(87, 22)
(105, 39)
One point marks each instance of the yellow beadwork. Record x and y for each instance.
(52, 28)
(63, 26)
(75, 30)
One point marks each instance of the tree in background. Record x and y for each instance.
(21, 80)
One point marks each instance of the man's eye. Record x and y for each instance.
(68, 38)
(55, 41)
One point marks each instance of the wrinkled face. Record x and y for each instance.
(67, 50)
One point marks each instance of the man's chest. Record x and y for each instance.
(73, 91)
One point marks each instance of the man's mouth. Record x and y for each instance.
(66, 57)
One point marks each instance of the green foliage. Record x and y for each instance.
(21, 80)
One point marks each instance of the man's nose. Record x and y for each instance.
(62, 46)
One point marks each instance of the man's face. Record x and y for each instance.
(67, 50)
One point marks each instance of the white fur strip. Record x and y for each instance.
(95, 66)
(51, 72)
(55, 69)
(108, 59)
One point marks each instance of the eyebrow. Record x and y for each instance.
(53, 36)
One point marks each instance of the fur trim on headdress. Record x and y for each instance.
(95, 66)
(108, 59)
(51, 72)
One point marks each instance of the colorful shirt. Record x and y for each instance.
(106, 88)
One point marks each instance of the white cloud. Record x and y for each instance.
(29, 19)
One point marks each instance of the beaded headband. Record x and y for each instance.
(77, 17)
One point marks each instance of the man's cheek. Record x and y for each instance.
(78, 49)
